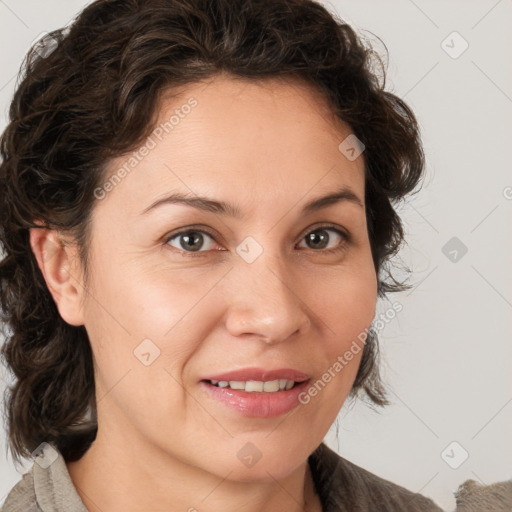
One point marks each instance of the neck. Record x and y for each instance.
(116, 477)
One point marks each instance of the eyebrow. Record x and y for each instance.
(220, 207)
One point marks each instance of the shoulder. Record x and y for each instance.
(473, 497)
(22, 497)
(47, 486)
(344, 486)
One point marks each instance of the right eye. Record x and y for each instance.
(190, 240)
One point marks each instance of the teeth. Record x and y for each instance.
(236, 384)
(253, 386)
(271, 386)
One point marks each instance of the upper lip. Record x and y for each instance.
(260, 374)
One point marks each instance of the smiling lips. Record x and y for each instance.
(259, 380)
(257, 392)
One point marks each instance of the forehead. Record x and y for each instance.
(258, 141)
(234, 107)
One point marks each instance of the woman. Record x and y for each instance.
(197, 204)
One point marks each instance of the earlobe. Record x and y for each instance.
(57, 263)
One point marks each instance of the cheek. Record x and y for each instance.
(347, 311)
(348, 307)
(156, 323)
(138, 322)
(142, 334)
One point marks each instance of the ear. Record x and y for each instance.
(57, 260)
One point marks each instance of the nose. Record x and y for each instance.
(264, 303)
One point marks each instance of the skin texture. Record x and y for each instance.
(163, 443)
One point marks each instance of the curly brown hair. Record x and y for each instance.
(92, 95)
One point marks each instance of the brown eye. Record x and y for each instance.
(192, 240)
(189, 241)
(319, 239)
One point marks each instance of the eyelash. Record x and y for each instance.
(199, 229)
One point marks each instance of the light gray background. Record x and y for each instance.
(447, 356)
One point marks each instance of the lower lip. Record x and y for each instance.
(258, 404)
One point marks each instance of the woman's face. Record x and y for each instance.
(275, 287)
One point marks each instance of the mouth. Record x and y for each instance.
(255, 386)
(256, 392)
(258, 380)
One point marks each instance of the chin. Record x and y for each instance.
(259, 459)
(265, 471)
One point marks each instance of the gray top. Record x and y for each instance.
(341, 485)
(46, 487)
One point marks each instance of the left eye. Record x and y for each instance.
(318, 236)
(192, 240)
